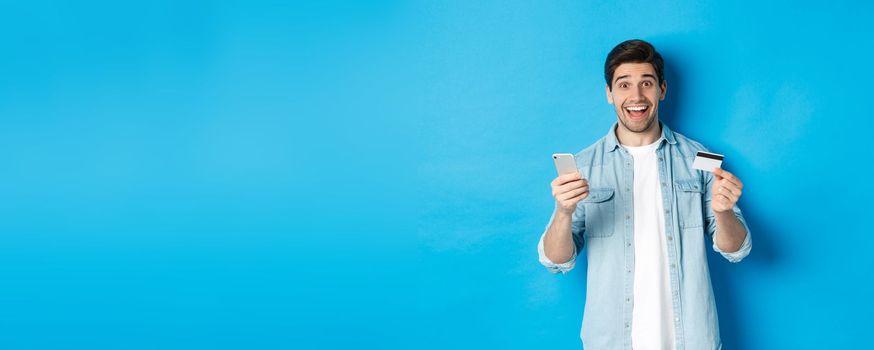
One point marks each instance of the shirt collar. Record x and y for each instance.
(612, 142)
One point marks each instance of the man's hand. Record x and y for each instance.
(568, 190)
(726, 191)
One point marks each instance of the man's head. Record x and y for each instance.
(634, 72)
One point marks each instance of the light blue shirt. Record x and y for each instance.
(603, 225)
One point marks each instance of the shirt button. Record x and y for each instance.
(667, 211)
(628, 217)
(663, 183)
(629, 244)
(670, 238)
(627, 300)
(673, 266)
(626, 324)
(677, 319)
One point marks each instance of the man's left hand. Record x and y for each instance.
(725, 192)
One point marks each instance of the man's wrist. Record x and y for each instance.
(563, 213)
(722, 215)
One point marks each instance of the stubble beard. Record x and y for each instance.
(640, 128)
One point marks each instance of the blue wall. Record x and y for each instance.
(238, 175)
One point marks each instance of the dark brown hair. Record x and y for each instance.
(633, 51)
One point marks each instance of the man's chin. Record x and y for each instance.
(638, 126)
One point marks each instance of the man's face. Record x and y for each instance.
(636, 95)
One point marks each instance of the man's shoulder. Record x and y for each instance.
(598, 146)
(593, 154)
(687, 146)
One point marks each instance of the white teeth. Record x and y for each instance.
(635, 108)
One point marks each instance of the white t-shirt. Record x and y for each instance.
(652, 316)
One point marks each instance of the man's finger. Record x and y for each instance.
(580, 196)
(728, 191)
(725, 199)
(723, 174)
(563, 179)
(728, 186)
(573, 193)
(569, 186)
(563, 194)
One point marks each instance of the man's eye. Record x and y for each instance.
(647, 83)
(623, 85)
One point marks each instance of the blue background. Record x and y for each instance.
(277, 175)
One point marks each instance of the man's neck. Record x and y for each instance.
(636, 139)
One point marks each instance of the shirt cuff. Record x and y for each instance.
(550, 265)
(741, 253)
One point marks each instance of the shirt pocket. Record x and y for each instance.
(689, 202)
(599, 206)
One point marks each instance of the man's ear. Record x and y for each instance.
(664, 90)
(610, 94)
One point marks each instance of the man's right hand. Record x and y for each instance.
(568, 190)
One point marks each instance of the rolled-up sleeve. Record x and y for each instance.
(576, 230)
(549, 264)
(745, 247)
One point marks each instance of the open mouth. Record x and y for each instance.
(637, 111)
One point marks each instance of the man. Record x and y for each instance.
(644, 217)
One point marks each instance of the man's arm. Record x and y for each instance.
(556, 247)
(558, 242)
(731, 234)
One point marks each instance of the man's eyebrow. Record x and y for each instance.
(647, 75)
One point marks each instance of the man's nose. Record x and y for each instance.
(637, 93)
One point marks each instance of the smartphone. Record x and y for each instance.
(564, 163)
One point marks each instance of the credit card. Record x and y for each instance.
(707, 161)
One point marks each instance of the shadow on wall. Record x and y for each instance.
(726, 277)
(670, 110)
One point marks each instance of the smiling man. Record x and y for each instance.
(644, 218)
